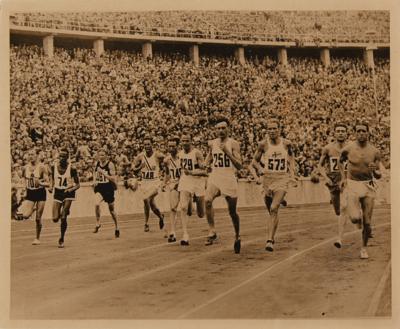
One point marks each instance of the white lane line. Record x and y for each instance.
(268, 269)
(71, 298)
(156, 246)
(164, 244)
(105, 225)
(373, 306)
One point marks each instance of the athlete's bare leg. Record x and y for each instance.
(146, 204)
(174, 202)
(111, 208)
(185, 198)
(56, 211)
(200, 206)
(64, 224)
(39, 212)
(211, 193)
(28, 208)
(367, 205)
(273, 219)
(99, 199)
(268, 202)
(341, 216)
(232, 202)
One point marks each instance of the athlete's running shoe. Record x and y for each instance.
(171, 238)
(161, 222)
(338, 244)
(97, 228)
(60, 243)
(236, 246)
(270, 245)
(146, 227)
(36, 242)
(117, 233)
(363, 253)
(211, 239)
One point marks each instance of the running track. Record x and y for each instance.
(140, 276)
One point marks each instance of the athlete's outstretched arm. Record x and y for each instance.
(342, 159)
(160, 156)
(112, 177)
(208, 160)
(376, 165)
(200, 171)
(321, 169)
(234, 156)
(75, 177)
(292, 165)
(137, 164)
(167, 175)
(94, 176)
(45, 177)
(254, 166)
(51, 179)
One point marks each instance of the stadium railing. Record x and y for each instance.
(180, 33)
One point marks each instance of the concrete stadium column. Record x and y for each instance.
(98, 46)
(48, 45)
(194, 54)
(239, 55)
(147, 50)
(325, 56)
(369, 56)
(282, 56)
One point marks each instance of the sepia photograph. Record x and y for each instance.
(199, 164)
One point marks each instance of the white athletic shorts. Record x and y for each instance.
(149, 187)
(272, 184)
(354, 191)
(193, 185)
(227, 185)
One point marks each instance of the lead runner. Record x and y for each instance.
(225, 159)
(364, 161)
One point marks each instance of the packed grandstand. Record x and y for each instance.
(88, 102)
(301, 26)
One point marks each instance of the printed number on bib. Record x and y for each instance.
(62, 182)
(101, 178)
(277, 164)
(334, 165)
(175, 173)
(148, 175)
(221, 160)
(31, 182)
(187, 164)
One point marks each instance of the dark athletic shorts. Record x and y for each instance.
(106, 190)
(36, 195)
(60, 195)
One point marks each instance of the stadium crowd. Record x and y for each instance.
(87, 103)
(299, 26)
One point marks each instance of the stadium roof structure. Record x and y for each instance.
(69, 25)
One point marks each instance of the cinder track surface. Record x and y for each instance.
(140, 276)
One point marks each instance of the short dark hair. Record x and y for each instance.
(64, 150)
(148, 138)
(273, 120)
(340, 124)
(174, 138)
(222, 119)
(361, 123)
(186, 133)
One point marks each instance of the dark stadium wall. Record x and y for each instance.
(171, 48)
(20, 39)
(122, 45)
(68, 43)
